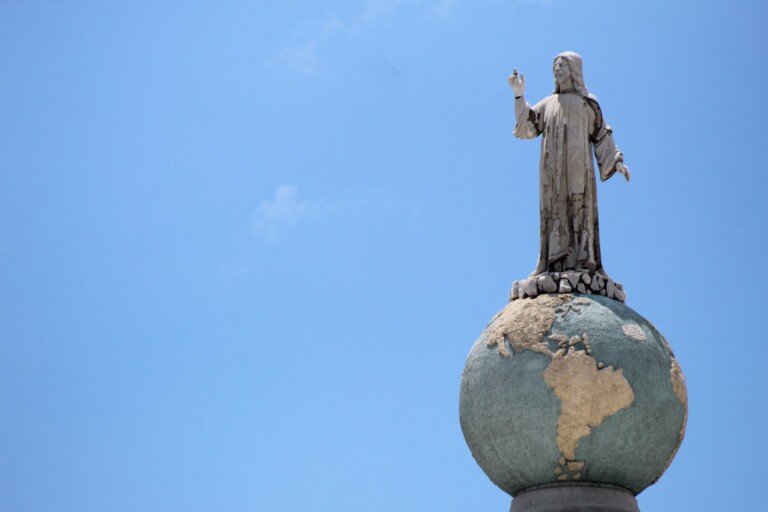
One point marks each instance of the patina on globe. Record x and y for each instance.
(572, 388)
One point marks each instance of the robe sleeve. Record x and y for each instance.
(528, 122)
(606, 152)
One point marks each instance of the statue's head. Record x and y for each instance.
(568, 73)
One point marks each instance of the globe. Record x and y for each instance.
(567, 388)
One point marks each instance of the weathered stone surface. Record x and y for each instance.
(634, 331)
(600, 280)
(547, 284)
(678, 382)
(530, 287)
(524, 324)
(579, 409)
(561, 282)
(568, 200)
(586, 278)
(681, 391)
(515, 293)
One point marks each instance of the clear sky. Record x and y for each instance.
(245, 247)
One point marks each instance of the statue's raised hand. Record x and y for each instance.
(623, 169)
(517, 82)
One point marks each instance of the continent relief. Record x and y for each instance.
(573, 375)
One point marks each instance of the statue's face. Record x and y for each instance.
(562, 73)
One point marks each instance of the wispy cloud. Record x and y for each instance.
(377, 9)
(444, 10)
(304, 56)
(283, 211)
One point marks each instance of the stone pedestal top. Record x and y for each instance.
(573, 497)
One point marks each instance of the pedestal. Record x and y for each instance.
(574, 497)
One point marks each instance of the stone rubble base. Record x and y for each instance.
(567, 282)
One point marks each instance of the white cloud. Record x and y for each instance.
(283, 211)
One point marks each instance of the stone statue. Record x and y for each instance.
(570, 400)
(572, 127)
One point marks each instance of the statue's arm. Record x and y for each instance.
(623, 169)
(527, 118)
(609, 157)
(527, 125)
(607, 153)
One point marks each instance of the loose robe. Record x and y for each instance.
(572, 127)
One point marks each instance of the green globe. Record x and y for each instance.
(572, 388)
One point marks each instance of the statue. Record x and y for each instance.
(570, 400)
(572, 127)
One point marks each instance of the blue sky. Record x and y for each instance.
(245, 247)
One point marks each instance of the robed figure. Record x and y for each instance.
(572, 128)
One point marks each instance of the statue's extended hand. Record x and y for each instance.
(623, 169)
(517, 82)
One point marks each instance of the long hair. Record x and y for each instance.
(575, 66)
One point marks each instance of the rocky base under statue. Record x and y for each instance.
(571, 281)
(572, 497)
